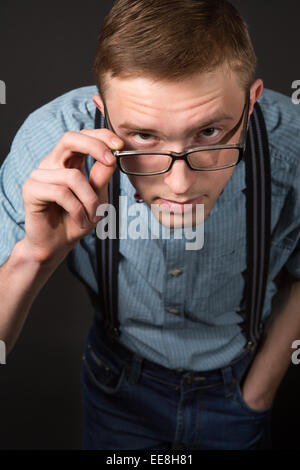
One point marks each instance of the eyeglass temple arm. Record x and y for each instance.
(107, 122)
(246, 125)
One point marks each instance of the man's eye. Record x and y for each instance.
(209, 132)
(144, 137)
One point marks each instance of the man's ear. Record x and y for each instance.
(255, 92)
(99, 103)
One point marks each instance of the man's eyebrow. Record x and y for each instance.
(213, 120)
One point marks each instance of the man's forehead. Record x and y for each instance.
(150, 106)
(170, 92)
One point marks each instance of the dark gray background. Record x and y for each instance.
(47, 49)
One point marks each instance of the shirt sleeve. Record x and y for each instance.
(12, 177)
(35, 139)
(25, 155)
(293, 263)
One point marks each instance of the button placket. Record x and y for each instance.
(174, 291)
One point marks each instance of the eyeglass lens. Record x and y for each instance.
(145, 164)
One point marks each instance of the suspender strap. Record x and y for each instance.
(107, 252)
(258, 212)
(258, 216)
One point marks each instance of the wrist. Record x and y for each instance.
(40, 259)
(258, 398)
(259, 386)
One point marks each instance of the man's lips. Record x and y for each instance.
(180, 207)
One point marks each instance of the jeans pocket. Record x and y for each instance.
(238, 396)
(102, 372)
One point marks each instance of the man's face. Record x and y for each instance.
(171, 116)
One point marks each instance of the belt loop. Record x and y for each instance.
(227, 378)
(135, 369)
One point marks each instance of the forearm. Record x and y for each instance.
(274, 353)
(21, 279)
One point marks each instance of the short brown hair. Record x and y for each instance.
(173, 39)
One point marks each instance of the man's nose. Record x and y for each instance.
(180, 177)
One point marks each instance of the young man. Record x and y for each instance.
(171, 76)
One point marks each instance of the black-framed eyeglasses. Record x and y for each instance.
(205, 158)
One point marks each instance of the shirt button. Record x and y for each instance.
(176, 272)
(174, 310)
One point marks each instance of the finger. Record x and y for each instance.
(99, 178)
(38, 195)
(80, 144)
(76, 181)
(112, 140)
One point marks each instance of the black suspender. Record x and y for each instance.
(258, 210)
(258, 217)
(107, 252)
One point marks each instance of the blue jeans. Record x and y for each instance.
(130, 403)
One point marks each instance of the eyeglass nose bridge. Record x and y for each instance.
(175, 156)
(179, 155)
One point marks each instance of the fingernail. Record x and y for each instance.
(97, 218)
(109, 157)
(116, 142)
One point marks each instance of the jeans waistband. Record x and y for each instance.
(237, 367)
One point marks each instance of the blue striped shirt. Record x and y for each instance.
(178, 308)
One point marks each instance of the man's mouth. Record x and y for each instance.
(179, 207)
